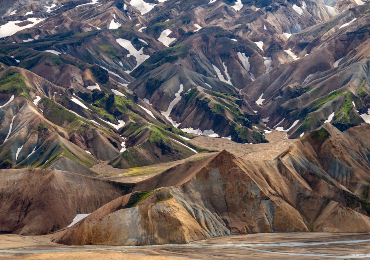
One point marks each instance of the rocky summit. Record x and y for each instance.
(151, 122)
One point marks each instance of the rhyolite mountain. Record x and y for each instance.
(129, 82)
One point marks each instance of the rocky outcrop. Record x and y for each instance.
(223, 195)
(38, 201)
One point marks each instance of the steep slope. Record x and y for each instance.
(38, 201)
(308, 187)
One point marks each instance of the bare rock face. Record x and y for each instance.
(38, 201)
(223, 195)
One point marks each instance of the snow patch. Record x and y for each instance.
(245, 61)
(264, 27)
(143, 41)
(354, 105)
(301, 135)
(163, 38)
(198, 27)
(88, 152)
(359, 2)
(212, 1)
(366, 116)
(10, 100)
(265, 120)
(146, 101)
(238, 5)
(287, 35)
(209, 133)
(297, 9)
(78, 218)
(291, 54)
(28, 40)
(113, 24)
(11, 27)
(118, 93)
(34, 149)
(17, 153)
(267, 62)
(53, 52)
(259, 44)
(10, 129)
(96, 86)
(330, 118)
(308, 78)
(36, 100)
(260, 100)
(172, 104)
(142, 6)
(227, 137)
(335, 64)
(281, 129)
(220, 76)
(141, 29)
(138, 54)
(185, 146)
(78, 102)
(147, 111)
(346, 24)
(123, 145)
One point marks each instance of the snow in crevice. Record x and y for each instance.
(354, 105)
(336, 63)
(220, 76)
(330, 118)
(185, 138)
(142, 6)
(238, 5)
(297, 9)
(34, 149)
(260, 100)
(281, 129)
(87, 152)
(171, 106)
(118, 93)
(346, 24)
(18, 151)
(307, 79)
(138, 54)
(113, 24)
(121, 124)
(279, 123)
(163, 38)
(78, 102)
(259, 44)
(147, 111)
(267, 61)
(91, 3)
(78, 218)
(10, 100)
(143, 41)
(53, 52)
(36, 100)
(10, 129)
(115, 74)
(11, 27)
(96, 86)
(301, 135)
(185, 146)
(245, 61)
(141, 29)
